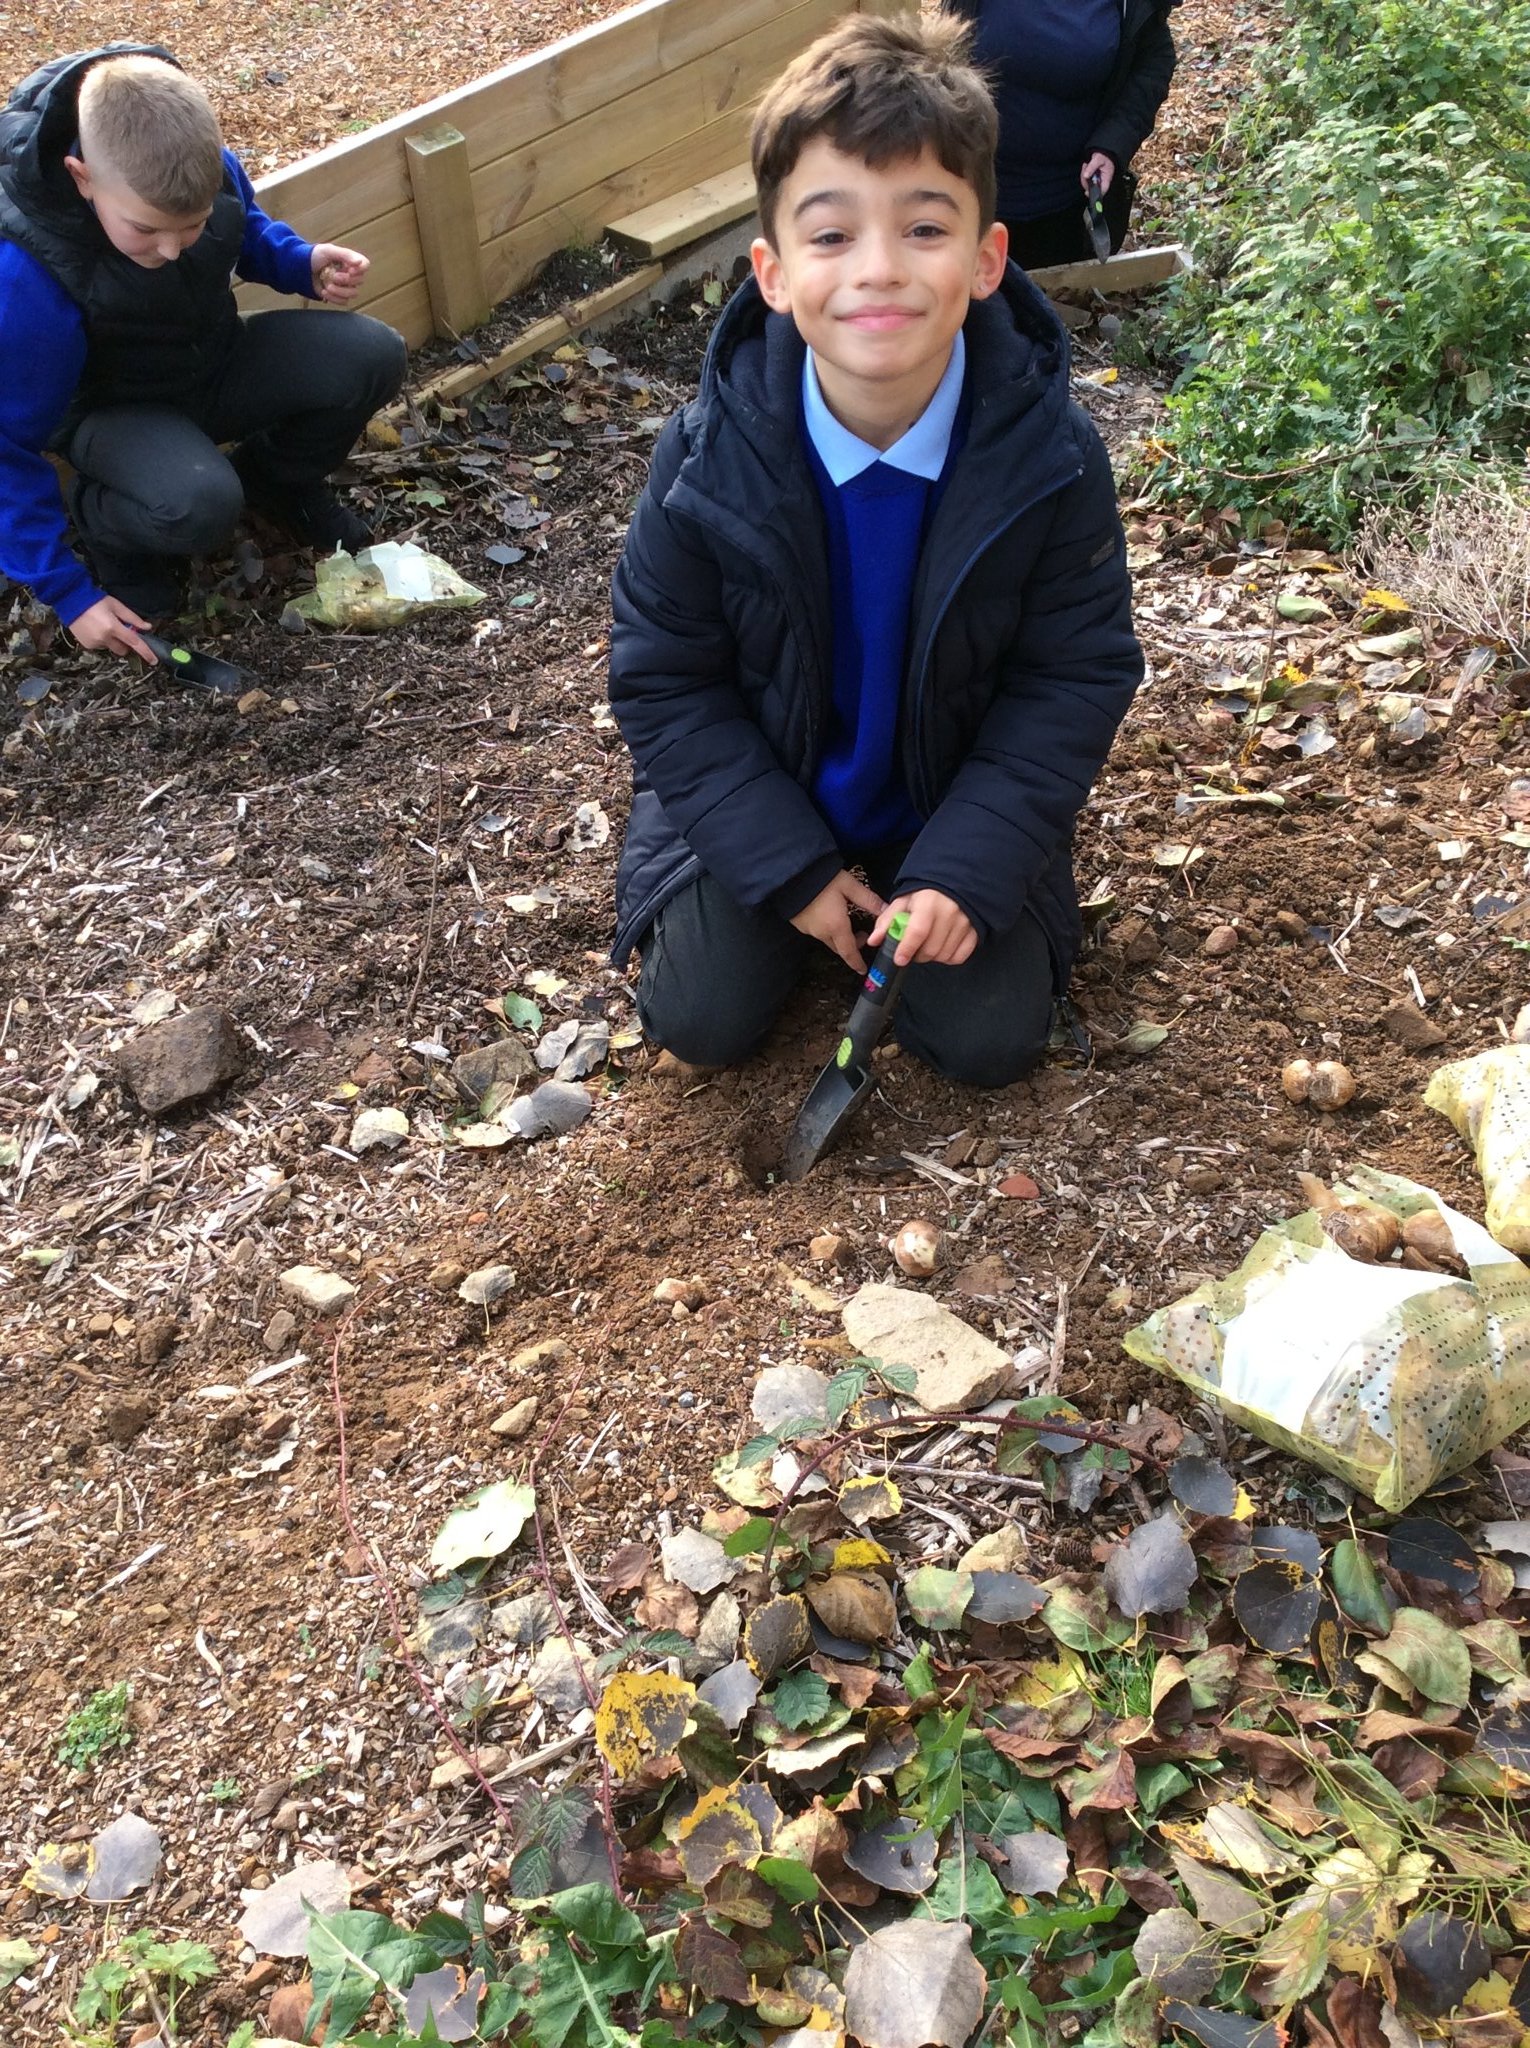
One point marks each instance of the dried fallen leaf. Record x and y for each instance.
(857, 1606)
(275, 1921)
(484, 1527)
(913, 1985)
(777, 1634)
(126, 1855)
(718, 1831)
(1153, 1571)
(641, 1715)
(1175, 1953)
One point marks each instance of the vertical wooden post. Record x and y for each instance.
(443, 207)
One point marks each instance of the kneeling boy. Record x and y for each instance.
(122, 220)
(872, 621)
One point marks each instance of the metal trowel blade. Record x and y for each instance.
(208, 671)
(831, 1101)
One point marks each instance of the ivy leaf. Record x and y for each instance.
(800, 1700)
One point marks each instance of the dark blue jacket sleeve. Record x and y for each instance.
(273, 254)
(1070, 675)
(42, 354)
(675, 695)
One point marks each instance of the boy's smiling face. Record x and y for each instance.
(877, 268)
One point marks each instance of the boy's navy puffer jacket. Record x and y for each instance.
(1021, 656)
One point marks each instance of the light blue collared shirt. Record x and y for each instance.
(922, 451)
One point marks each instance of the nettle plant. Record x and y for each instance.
(1364, 334)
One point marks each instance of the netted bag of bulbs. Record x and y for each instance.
(1380, 1335)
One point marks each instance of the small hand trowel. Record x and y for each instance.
(1095, 221)
(846, 1081)
(207, 671)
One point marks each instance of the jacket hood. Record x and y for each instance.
(39, 124)
(1017, 354)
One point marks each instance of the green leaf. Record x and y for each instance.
(594, 1912)
(16, 1958)
(938, 1598)
(844, 1390)
(791, 1880)
(1428, 1653)
(1359, 1588)
(748, 1538)
(758, 1451)
(973, 1894)
(800, 1700)
(919, 1678)
(1081, 1619)
(521, 1011)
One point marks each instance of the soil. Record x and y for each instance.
(354, 866)
(290, 76)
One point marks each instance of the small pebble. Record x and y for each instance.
(1220, 941)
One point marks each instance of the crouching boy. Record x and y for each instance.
(872, 630)
(122, 221)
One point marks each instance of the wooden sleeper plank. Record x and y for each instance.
(668, 225)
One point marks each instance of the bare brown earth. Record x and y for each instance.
(289, 76)
(339, 867)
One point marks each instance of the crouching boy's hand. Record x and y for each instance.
(107, 628)
(827, 917)
(337, 272)
(940, 933)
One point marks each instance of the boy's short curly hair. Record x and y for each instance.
(146, 126)
(882, 91)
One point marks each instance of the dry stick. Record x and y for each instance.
(607, 1812)
(1045, 1427)
(1269, 656)
(395, 1615)
(435, 890)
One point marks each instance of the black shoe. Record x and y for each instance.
(311, 514)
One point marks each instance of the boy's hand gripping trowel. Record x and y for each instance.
(846, 1081)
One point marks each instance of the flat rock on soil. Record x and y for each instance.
(955, 1367)
(181, 1060)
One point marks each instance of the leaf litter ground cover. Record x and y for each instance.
(1226, 1778)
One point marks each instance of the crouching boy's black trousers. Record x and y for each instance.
(295, 392)
(715, 977)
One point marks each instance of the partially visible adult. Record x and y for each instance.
(1078, 84)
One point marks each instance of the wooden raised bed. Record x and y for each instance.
(459, 202)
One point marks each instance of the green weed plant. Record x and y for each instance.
(1358, 330)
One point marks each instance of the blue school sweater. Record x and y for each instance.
(877, 507)
(42, 357)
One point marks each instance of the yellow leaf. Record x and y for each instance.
(1243, 1506)
(858, 1555)
(1047, 1681)
(641, 1715)
(1386, 601)
(1489, 1994)
(874, 1499)
(718, 1831)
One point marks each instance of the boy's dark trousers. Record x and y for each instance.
(294, 393)
(715, 976)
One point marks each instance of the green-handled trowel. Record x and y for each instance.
(846, 1081)
(188, 665)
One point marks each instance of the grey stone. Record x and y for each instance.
(317, 1288)
(385, 1127)
(506, 1062)
(516, 1421)
(955, 1367)
(279, 1332)
(181, 1059)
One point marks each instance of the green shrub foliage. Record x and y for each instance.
(1361, 329)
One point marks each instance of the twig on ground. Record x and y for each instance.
(435, 892)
